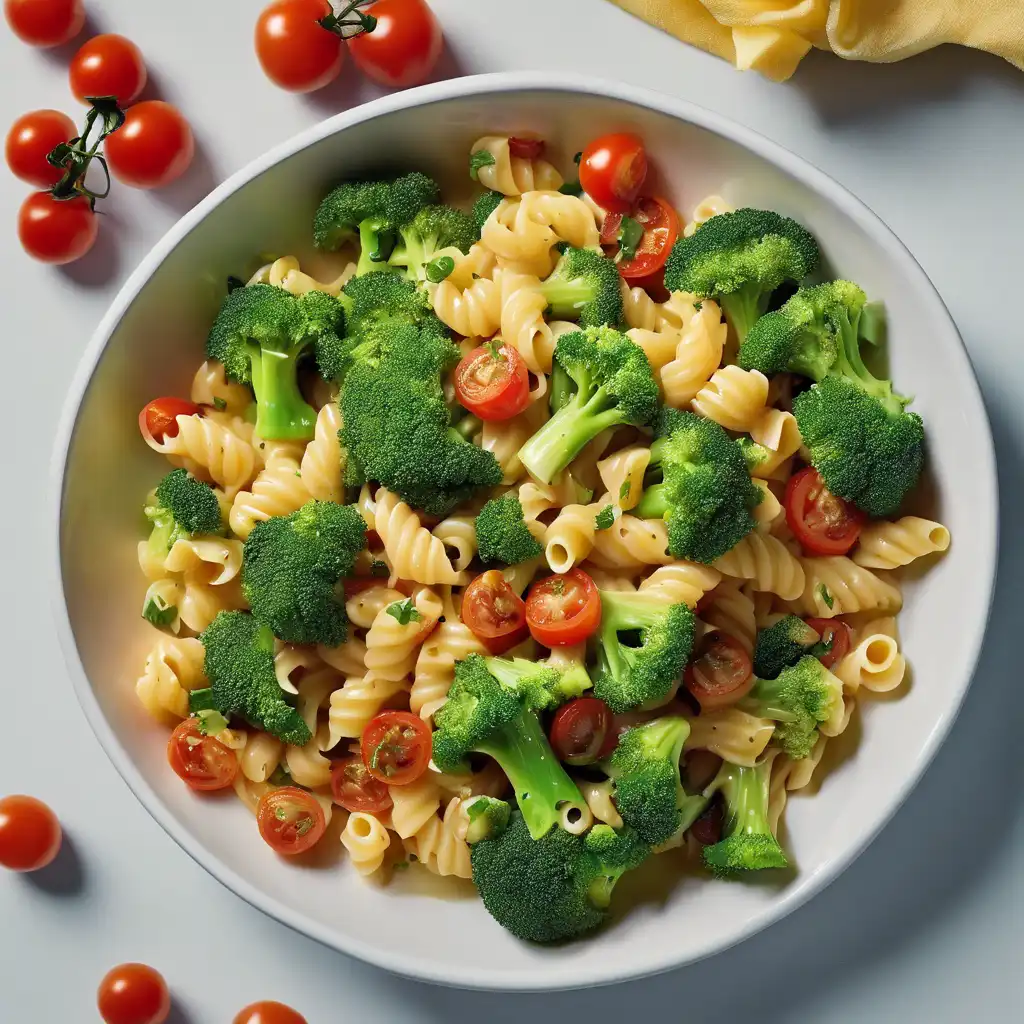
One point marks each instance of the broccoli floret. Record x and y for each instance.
(574, 680)
(557, 887)
(642, 648)
(488, 818)
(240, 665)
(502, 534)
(783, 644)
(614, 385)
(397, 426)
(292, 567)
(754, 454)
(584, 286)
(798, 700)
(259, 335)
(180, 507)
(739, 259)
(649, 793)
(748, 843)
(492, 709)
(485, 205)
(432, 229)
(705, 493)
(371, 211)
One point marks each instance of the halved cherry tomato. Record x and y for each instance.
(707, 829)
(158, 420)
(31, 139)
(494, 612)
(396, 747)
(133, 994)
(720, 673)
(108, 65)
(45, 22)
(493, 383)
(525, 149)
(582, 732)
(563, 609)
(839, 633)
(269, 1012)
(152, 148)
(355, 789)
(403, 47)
(612, 170)
(823, 522)
(202, 762)
(30, 834)
(294, 51)
(661, 229)
(56, 230)
(290, 820)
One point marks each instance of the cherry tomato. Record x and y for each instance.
(823, 522)
(268, 1012)
(290, 820)
(403, 47)
(707, 829)
(525, 149)
(30, 834)
(108, 65)
(720, 673)
(202, 762)
(563, 609)
(159, 419)
(494, 612)
(294, 51)
(152, 148)
(612, 170)
(45, 22)
(839, 633)
(133, 994)
(355, 789)
(56, 230)
(396, 747)
(30, 141)
(582, 732)
(493, 386)
(661, 229)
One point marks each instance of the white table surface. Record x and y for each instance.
(928, 925)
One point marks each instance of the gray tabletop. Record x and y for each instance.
(928, 925)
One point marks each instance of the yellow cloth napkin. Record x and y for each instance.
(771, 36)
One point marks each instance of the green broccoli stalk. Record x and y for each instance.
(239, 662)
(487, 816)
(260, 334)
(432, 229)
(502, 534)
(705, 493)
(649, 793)
(397, 426)
(783, 644)
(614, 386)
(739, 259)
(557, 887)
(584, 286)
(486, 203)
(371, 211)
(180, 507)
(798, 700)
(642, 648)
(292, 568)
(748, 843)
(492, 709)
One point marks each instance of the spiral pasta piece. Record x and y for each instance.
(367, 842)
(777, 433)
(522, 243)
(733, 398)
(632, 543)
(278, 490)
(838, 586)
(439, 847)
(260, 756)
(681, 582)
(451, 642)
(286, 273)
(391, 645)
(173, 667)
(414, 805)
(414, 552)
(522, 321)
(889, 545)
(767, 562)
(201, 604)
(348, 658)
(731, 734)
(472, 309)
(698, 353)
(355, 703)
(875, 662)
(598, 796)
(731, 609)
(768, 511)
(571, 536)
(324, 458)
(622, 474)
(213, 561)
(513, 175)
(210, 386)
(708, 207)
(210, 451)
(458, 534)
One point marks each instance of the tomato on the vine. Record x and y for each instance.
(403, 45)
(396, 747)
(493, 383)
(108, 65)
(31, 139)
(45, 22)
(613, 169)
(30, 834)
(153, 148)
(133, 994)
(290, 820)
(494, 612)
(823, 522)
(563, 609)
(56, 230)
(294, 50)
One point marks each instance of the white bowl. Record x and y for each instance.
(150, 343)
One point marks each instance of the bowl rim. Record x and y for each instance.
(414, 966)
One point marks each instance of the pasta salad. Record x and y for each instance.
(549, 536)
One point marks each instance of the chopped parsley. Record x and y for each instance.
(605, 518)
(826, 596)
(477, 159)
(404, 612)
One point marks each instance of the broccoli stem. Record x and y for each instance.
(769, 703)
(539, 780)
(654, 503)
(282, 414)
(745, 793)
(851, 364)
(743, 307)
(566, 298)
(164, 533)
(370, 255)
(562, 388)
